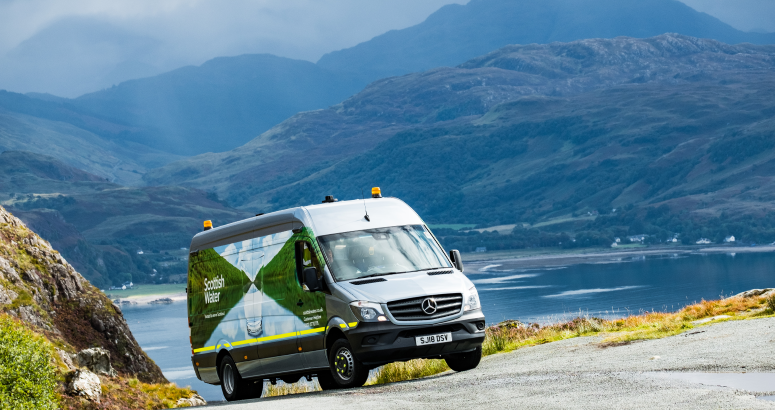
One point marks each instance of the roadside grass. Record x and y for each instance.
(284, 389)
(124, 394)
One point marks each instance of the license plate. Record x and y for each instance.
(433, 339)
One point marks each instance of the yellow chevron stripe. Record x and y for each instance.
(204, 349)
(353, 324)
(309, 331)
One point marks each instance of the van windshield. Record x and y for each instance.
(382, 251)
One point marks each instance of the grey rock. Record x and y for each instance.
(755, 292)
(66, 359)
(85, 384)
(193, 401)
(97, 360)
(162, 301)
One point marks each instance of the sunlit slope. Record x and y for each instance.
(99, 226)
(42, 127)
(525, 133)
(219, 105)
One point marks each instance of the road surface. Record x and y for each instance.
(579, 374)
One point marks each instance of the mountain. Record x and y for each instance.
(218, 105)
(457, 33)
(100, 226)
(529, 133)
(55, 127)
(227, 101)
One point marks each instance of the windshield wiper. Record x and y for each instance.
(378, 274)
(394, 273)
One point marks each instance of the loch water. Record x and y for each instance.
(611, 287)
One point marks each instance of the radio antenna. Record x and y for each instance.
(364, 206)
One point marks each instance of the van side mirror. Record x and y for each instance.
(454, 256)
(311, 279)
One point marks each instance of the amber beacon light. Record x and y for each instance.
(376, 192)
(208, 225)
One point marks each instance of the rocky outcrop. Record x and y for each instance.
(97, 360)
(756, 292)
(38, 286)
(85, 384)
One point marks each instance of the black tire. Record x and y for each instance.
(326, 380)
(461, 362)
(233, 386)
(346, 370)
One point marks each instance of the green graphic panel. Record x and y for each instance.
(227, 286)
(205, 317)
(281, 282)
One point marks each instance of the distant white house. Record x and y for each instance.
(637, 238)
(481, 249)
(617, 240)
(615, 244)
(730, 238)
(140, 252)
(703, 241)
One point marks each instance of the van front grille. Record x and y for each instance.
(412, 309)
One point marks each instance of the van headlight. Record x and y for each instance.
(471, 300)
(368, 311)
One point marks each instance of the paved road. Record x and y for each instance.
(578, 374)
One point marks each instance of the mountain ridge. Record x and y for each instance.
(559, 107)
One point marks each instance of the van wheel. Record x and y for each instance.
(461, 362)
(326, 380)
(346, 369)
(232, 384)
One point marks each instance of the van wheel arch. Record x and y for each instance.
(223, 353)
(333, 335)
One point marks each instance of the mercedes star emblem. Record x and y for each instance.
(429, 306)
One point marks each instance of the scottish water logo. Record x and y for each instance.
(210, 285)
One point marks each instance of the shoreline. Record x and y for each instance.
(147, 299)
(571, 258)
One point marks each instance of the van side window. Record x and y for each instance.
(306, 258)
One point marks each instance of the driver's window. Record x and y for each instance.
(306, 258)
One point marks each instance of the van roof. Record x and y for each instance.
(322, 219)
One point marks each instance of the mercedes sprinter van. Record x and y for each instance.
(329, 291)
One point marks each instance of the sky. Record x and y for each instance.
(78, 46)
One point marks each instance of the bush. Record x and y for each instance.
(771, 303)
(27, 374)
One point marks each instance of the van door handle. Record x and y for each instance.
(299, 303)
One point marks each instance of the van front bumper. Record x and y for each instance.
(378, 343)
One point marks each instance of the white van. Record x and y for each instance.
(329, 291)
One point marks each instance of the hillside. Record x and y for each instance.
(528, 133)
(47, 296)
(100, 226)
(220, 104)
(81, 140)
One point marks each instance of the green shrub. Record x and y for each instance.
(771, 303)
(27, 374)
